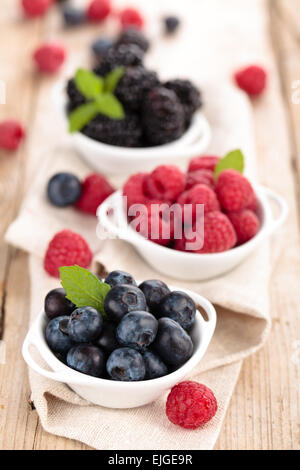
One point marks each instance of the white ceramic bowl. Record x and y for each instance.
(113, 160)
(113, 394)
(190, 266)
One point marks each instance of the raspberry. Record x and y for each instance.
(98, 10)
(166, 182)
(11, 134)
(200, 177)
(219, 235)
(190, 405)
(245, 223)
(206, 162)
(251, 79)
(134, 189)
(95, 189)
(152, 226)
(65, 249)
(49, 57)
(131, 17)
(200, 194)
(33, 8)
(234, 191)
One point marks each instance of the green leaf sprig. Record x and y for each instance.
(99, 93)
(83, 288)
(233, 160)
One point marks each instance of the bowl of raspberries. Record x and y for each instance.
(195, 225)
(117, 342)
(123, 118)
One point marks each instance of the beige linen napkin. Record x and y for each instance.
(241, 297)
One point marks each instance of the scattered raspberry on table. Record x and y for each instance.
(98, 10)
(130, 17)
(251, 79)
(191, 405)
(49, 57)
(34, 8)
(11, 134)
(94, 190)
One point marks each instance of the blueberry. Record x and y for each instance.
(85, 324)
(123, 299)
(119, 277)
(63, 189)
(180, 307)
(137, 330)
(155, 367)
(107, 339)
(73, 16)
(171, 24)
(101, 46)
(126, 364)
(87, 359)
(154, 292)
(172, 343)
(57, 340)
(56, 304)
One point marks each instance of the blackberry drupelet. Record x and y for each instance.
(125, 132)
(189, 96)
(75, 97)
(126, 55)
(134, 84)
(133, 36)
(163, 116)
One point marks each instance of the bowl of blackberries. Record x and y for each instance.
(122, 117)
(117, 342)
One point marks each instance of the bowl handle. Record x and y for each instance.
(283, 210)
(210, 323)
(105, 219)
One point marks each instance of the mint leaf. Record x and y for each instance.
(110, 106)
(112, 79)
(82, 115)
(88, 83)
(83, 288)
(233, 160)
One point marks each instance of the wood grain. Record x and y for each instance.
(265, 409)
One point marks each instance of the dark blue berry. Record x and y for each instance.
(180, 307)
(154, 292)
(107, 339)
(123, 299)
(137, 330)
(172, 343)
(87, 359)
(171, 24)
(85, 324)
(57, 340)
(63, 189)
(73, 16)
(56, 304)
(101, 46)
(120, 277)
(126, 364)
(155, 367)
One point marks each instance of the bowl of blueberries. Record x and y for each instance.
(118, 343)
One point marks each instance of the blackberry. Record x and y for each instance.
(163, 116)
(189, 96)
(133, 36)
(134, 84)
(75, 97)
(125, 132)
(126, 55)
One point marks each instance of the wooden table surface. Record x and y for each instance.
(265, 409)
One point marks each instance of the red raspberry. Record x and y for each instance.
(166, 182)
(152, 226)
(95, 189)
(49, 57)
(251, 79)
(131, 18)
(134, 189)
(98, 10)
(200, 194)
(34, 8)
(11, 134)
(206, 162)
(65, 249)
(245, 223)
(234, 191)
(200, 177)
(190, 405)
(219, 235)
